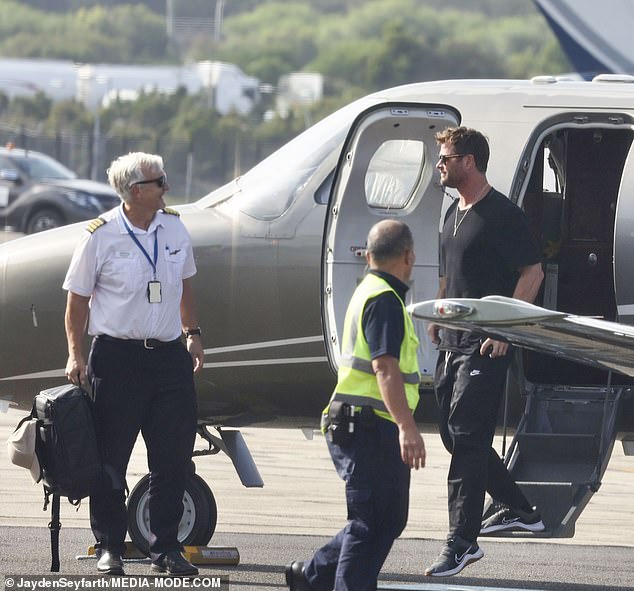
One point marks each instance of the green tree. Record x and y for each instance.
(274, 39)
(30, 108)
(140, 33)
(401, 59)
(69, 115)
(4, 102)
(123, 34)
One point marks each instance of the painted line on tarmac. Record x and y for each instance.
(445, 587)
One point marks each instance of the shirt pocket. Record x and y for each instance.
(122, 272)
(174, 264)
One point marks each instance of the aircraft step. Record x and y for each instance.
(560, 451)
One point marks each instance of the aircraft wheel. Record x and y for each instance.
(197, 525)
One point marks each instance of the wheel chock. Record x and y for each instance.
(131, 552)
(225, 555)
(222, 555)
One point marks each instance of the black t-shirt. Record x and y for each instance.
(492, 241)
(382, 321)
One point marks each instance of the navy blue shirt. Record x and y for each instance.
(382, 323)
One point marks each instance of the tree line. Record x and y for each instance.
(368, 44)
(358, 45)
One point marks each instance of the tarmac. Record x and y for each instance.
(302, 504)
(6, 235)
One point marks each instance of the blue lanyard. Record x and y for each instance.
(136, 240)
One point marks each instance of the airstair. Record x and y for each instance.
(560, 451)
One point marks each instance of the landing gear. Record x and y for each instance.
(199, 519)
(200, 512)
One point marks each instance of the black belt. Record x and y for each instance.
(145, 343)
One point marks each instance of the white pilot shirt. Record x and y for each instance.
(110, 268)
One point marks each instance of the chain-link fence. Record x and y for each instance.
(192, 172)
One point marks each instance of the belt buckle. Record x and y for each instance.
(145, 344)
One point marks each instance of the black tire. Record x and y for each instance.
(44, 219)
(199, 519)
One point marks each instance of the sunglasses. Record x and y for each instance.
(160, 181)
(443, 158)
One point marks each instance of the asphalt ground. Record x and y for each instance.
(5, 235)
(544, 567)
(302, 504)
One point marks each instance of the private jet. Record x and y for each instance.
(280, 249)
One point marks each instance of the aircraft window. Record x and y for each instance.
(393, 173)
(269, 188)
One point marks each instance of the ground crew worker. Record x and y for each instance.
(370, 431)
(132, 271)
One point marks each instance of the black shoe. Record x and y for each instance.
(507, 519)
(295, 577)
(110, 563)
(454, 557)
(175, 564)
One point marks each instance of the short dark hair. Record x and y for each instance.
(466, 140)
(389, 239)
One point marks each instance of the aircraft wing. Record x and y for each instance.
(591, 341)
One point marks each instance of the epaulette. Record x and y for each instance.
(94, 224)
(170, 211)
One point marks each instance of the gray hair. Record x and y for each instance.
(131, 168)
(389, 239)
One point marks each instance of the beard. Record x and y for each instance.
(447, 182)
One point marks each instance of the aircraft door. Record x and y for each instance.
(386, 170)
(624, 243)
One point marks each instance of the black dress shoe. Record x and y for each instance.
(175, 564)
(295, 577)
(110, 563)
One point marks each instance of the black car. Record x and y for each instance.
(38, 193)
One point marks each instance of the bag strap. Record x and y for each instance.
(28, 417)
(54, 526)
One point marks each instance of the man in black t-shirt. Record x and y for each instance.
(486, 249)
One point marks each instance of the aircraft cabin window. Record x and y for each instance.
(393, 173)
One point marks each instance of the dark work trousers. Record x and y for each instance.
(377, 495)
(151, 391)
(469, 388)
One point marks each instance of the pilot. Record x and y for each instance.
(130, 286)
(370, 430)
(486, 248)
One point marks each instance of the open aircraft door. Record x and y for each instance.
(624, 243)
(386, 170)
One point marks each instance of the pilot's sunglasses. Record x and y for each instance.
(443, 158)
(160, 181)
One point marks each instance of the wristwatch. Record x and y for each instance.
(192, 332)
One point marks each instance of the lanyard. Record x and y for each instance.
(136, 241)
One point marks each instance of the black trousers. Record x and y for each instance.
(469, 388)
(377, 496)
(152, 392)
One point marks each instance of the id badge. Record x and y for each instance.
(154, 292)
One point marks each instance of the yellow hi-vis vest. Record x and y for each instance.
(356, 382)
